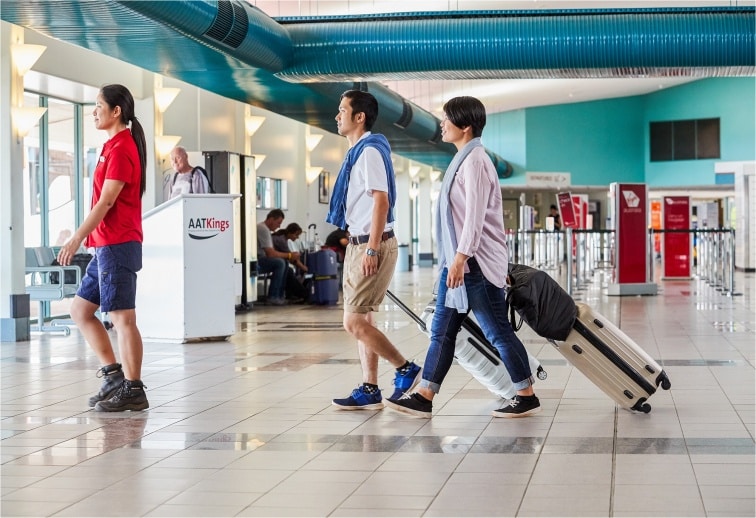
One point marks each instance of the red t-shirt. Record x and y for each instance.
(119, 160)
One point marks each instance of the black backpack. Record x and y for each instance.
(540, 301)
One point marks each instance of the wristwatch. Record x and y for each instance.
(371, 252)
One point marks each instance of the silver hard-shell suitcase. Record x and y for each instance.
(612, 360)
(475, 353)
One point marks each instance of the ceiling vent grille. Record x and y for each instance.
(230, 25)
(406, 116)
(436, 136)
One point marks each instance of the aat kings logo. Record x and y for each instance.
(206, 228)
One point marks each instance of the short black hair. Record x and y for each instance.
(275, 214)
(466, 111)
(363, 102)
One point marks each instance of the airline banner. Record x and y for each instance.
(677, 246)
(567, 210)
(631, 230)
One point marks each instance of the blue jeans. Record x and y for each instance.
(489, 304)
(278, 266)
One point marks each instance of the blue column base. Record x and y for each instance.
(15, 329)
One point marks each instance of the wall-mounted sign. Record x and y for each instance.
(553, 180)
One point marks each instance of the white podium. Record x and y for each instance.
(186, 288)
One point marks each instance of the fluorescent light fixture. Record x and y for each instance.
(165, 144)
(312, 173)
(164, 97)
(25, 118)
(25, 55)
(313, 141)
(252, 123)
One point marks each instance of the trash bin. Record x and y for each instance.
(403, 261)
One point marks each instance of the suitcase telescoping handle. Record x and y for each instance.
(470, 326)
(407, 310)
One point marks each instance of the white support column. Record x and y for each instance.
(14, 303)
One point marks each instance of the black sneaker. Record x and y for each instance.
(130, 396)
(112, 379)
(519, 407)
(412, 404)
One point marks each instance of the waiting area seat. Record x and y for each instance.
(47, 282)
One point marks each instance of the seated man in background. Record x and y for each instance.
(270, 260)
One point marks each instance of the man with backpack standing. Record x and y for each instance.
(186, 179)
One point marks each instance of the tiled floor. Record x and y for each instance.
(245, 427)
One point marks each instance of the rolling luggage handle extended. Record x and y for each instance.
(482, 343)
(488, 350)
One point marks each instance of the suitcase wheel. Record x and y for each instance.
(641, 406)
(541, 374)
(665, 383)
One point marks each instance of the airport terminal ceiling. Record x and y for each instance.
(296, 60)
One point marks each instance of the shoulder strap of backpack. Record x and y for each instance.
(513, 319)
(204, 173)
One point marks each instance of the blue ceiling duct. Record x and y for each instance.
(695, 42)
(299, 67)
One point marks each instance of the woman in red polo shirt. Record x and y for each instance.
(114, 229)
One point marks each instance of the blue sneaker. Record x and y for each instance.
(405, 382)
(359, 400)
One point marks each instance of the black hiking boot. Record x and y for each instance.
(130, 396)
(112, 378)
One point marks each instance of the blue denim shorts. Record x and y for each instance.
(110, 279)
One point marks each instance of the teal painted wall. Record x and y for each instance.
(504, 134)
(732, 99)
(606, 141)
(597, 142)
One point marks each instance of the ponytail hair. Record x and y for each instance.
(119, 95)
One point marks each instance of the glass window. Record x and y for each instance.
(61, 176)
(272, 193)
(55, 201)
(94, 139)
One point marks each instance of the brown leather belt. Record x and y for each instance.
(361, 240)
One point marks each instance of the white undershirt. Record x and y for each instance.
(182, 185)
(368, 175)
